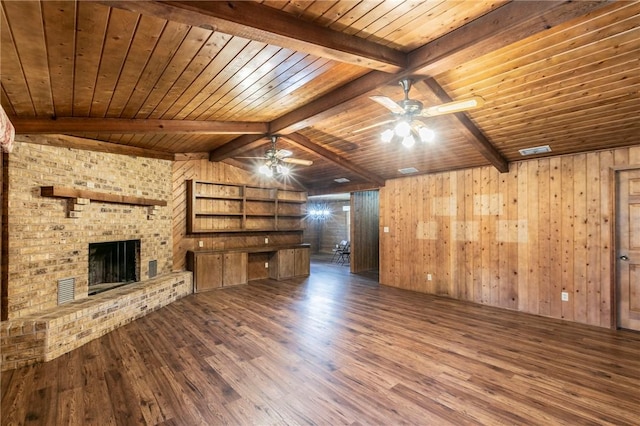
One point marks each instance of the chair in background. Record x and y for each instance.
(345, 254)
(338, 250)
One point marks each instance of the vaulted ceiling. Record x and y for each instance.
(189, 79)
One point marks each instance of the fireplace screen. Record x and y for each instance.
(113, 264)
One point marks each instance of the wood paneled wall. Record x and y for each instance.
(203, 169)
(365, 240)
(514, 240)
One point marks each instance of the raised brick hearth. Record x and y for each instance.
(56, 331)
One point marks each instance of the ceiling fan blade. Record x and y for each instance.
(297, 161)
(381, 123)
(282, 153)
(388, 103)
(451, 107)
(252, 158)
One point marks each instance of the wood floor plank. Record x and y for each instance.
(15, 394)
(70, 410)
(334, 348)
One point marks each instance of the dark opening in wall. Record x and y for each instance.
(113, 264)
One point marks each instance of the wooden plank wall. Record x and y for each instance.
(203, 169)
(365, 239)
(514, 240)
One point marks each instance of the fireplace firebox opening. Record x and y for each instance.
(113, 264)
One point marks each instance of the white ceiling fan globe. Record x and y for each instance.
(403, 129)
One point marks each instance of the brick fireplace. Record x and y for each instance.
(47, 242)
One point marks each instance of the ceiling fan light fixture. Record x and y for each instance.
(265, 170)
(409, 141)
(282, 170)
(426, 134)
(387, 135)
(403, 129)
(276, 160)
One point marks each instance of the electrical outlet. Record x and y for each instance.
(429, 277)
(200, 243)
(266, 240)
(565, 296)
(386, 229)
(266, 265)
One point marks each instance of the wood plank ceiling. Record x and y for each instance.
(213, 78)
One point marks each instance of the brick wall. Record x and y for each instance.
(45, 245)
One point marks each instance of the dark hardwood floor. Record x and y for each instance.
(334, 349)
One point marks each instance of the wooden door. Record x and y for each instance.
(208, 272)
(628, 250)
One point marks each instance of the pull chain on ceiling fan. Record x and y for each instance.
(408, 112)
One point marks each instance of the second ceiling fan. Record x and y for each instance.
(408, 113)
(276, 160)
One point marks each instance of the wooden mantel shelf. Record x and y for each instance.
(62, 192)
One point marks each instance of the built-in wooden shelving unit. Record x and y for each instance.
(214, 207)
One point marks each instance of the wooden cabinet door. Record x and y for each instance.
(208, 272)
(273, 265)
(301, 262)
(286, 263)
(235, 269)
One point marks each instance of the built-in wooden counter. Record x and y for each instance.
(227, 267)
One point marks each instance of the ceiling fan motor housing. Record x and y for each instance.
(411, 106)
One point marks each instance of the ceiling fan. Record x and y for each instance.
(408, 112)
(275, 160)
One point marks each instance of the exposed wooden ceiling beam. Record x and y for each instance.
(65, 141)
(330, 104)
(476, 137)
(188, 156)
(123, 125)
(307, 145)
(269, 25)
(237, 147)
(506, 25)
